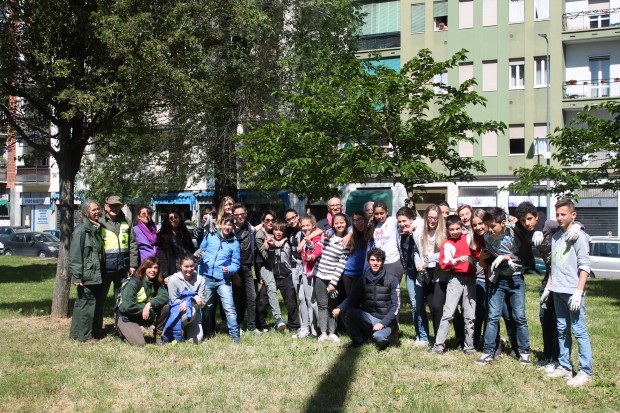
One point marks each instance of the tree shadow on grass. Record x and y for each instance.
(604, 288)
(30, 273)
(32, 308)
(331, 393)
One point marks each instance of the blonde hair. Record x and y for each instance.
(220, 211)
(440, 231)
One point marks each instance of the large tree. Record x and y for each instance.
(86, 70)
(586, 152)
(358, 123)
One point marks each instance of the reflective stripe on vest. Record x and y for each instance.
(113, 243)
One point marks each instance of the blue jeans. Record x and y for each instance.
(223, 288)
(359, 326)
(418, 305)
(513, 289)
(577, 320)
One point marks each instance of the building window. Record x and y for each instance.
(439, 82)
(466, 72)
(489, 76)
(516, 11)
(540, 71)
(599, 76)
(489, 12)
(517, 73)
(541, 9)
(489, 144)
(381, 28)
(417, 18)
(541, 144)
(598, 18)
(440, 15)
(466, 14)
(466, 149)
(517, 140)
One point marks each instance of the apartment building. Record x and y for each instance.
(508, 42)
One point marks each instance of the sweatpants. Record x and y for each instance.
(269, 284)
(460, 289)
(436, 304)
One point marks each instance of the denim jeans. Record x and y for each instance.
(511, 288)
(577, 320)
(359, 326)
(223, 288)
(417, 296)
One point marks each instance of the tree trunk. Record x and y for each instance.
(67, 172)
(225, 164)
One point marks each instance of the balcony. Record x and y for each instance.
(592, 19)
(26, 175)
(586, 89)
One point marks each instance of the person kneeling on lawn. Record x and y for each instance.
(143, 301)
(372, 308)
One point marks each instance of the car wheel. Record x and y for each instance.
(8, 252)
(42, 254)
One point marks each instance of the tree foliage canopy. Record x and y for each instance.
(359, 122)
(587, 152)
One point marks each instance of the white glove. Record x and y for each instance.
(545, 296)
(515, 266)
(537, 238)
(573, 233)
(496, 263)
(574, 302)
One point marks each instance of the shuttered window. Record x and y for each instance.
(417, 18)
(381, 17)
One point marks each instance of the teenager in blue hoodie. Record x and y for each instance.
(220, 258)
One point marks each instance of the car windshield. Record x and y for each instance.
(46, 238)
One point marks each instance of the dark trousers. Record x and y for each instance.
(437, 302)
(549, 324)
(109, 278)
(244, 296)
(287, 289)
(131, 331)
(83, 321)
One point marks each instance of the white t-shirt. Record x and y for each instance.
(386, 237)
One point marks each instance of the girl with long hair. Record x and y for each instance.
(173, 241)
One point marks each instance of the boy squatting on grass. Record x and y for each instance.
(570, 268)
(457, 256)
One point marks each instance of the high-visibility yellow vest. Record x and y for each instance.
(113, 243)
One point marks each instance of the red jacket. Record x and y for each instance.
(452, 249)
(315, 254)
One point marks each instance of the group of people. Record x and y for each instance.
(467, 267)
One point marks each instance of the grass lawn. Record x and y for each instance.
(42, 370)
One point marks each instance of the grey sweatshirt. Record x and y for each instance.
(176, 284)
(567, 260)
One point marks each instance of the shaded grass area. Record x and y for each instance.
(41, 369)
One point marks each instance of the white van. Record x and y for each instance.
(605, 257)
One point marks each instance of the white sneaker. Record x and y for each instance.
(549, 367)
(560, 372)
(333, 337)
(301, 333)
(580, 379)
(420, 343)
(323, 338)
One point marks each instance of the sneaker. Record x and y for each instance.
(280, 325)
(437, 350)
(254, 332)
(301, 333)
(549, 367)
(236, 340)
(580, 379)
(485, 359)
(524, 358)
(561, 372)
(469, 351)
(323, 338)
(542, 363)
(420, 343)
(333, 337)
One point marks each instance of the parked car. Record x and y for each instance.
(1, 248)
(605, 257)
(32, 244)
(6, 232)
(54, 232)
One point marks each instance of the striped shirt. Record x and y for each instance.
(332, 261)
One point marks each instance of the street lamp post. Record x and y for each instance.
(548, 154)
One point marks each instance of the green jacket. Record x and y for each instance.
(120, 261)
(135, 293)
(86, 256)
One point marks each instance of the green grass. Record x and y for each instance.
(42, 370)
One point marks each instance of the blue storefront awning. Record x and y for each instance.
(175, 198)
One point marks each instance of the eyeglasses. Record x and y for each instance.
(433, 219)
(291, 219)
(240, 215)
(269, 220)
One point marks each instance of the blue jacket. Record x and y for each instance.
(173, 330)
(219, 252)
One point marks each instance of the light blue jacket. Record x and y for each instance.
(219, 252)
